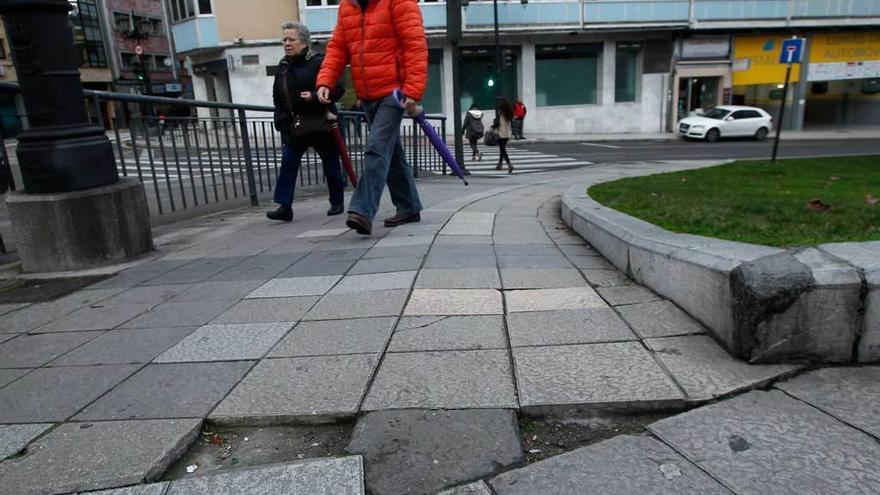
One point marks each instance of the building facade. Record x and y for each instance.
(588, 66)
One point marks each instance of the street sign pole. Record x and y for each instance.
(781, 112)
(792, 51)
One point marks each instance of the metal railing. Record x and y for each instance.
(191, 154)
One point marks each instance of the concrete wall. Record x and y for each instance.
(249, 84)
(253, 19)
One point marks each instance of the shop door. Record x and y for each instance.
(697, 95)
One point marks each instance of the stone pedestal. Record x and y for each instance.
(81, 229)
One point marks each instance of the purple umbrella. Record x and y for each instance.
(435, 139)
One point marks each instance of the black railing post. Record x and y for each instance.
(248, 162)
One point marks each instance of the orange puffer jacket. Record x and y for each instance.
(386, 47)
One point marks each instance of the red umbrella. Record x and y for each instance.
(343, 152)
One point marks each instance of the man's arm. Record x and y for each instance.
(335, 59)
(407, 17)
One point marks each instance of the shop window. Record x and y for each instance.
(566, 74)
(432, 100)
(819, 88)
(870, 86)
(626, 72)
(479, 82)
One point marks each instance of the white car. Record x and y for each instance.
(727, 121)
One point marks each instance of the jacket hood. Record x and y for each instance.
(477, 114)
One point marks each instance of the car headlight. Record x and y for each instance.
(697, 127)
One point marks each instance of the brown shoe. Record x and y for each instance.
(359, 223)
(402, 219)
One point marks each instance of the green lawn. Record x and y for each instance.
(756, 202)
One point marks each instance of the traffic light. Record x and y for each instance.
(140, 71)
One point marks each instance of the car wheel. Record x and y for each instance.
(713, 135)
(761, 134)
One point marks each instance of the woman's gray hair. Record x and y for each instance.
(301, 30)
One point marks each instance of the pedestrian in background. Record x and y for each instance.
(384, 40)
(302, 121)
(473, 129)
(502, 125)
(519, 114)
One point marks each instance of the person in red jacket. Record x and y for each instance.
(384, 40)
(519, 114)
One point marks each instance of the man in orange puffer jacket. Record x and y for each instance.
(384, 40)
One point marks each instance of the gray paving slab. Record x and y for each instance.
(612, 376)
(13, 438)
(418, 452)
(88, 297)
(541, 278)
(292, 287)
(476, 488)
(591, 262)
(526, 250)
(469, 223)
(322, 233)
(185, 390)
(180, 314)
(427, 302)
(9, 376)
(10, 307)
(374, 281)
(445, 260)
(185, 275)
(151, 489)
(336, 476)
(659, 319)
(631, 294)
(552, 299)
(33, 316)
(279, 309)
(262, 267)
(311, 268)
(382, 265)
(404, 241)
(95, 318)
(468, 278)
(330, 337)
(305, 389)
(152, 295)
(569, 326)
(55, 394)
(768, 442)
(705, 370)
(440, 333)
(849, 394)
(359, 305)
(131, 346)
(463, 250)
(523, 261)
(231, 290)
(226, 342)
(581, 249)
(32, 351)
(606, 278)
(443, 380)
(622, 465)
(397, 251)
(92, 456)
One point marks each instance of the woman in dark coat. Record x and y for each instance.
(293, 94)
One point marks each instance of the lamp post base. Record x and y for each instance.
(81, 229)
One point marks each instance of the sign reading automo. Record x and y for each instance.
(838, 56)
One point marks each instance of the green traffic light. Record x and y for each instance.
(491, 82)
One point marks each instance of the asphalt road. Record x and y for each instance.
(629, 151)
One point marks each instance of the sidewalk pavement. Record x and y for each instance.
(433, 336)
(866, 132)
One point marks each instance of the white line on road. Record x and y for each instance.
(601, 145)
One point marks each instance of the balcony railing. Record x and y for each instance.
(567, 14)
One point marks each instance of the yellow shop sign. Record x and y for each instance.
(757, 61)
(836, 56)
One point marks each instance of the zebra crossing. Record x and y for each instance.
(524, 162)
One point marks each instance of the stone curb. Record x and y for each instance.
(763, 304)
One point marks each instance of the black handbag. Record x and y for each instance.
(303, 126)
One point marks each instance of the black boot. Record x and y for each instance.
(283, 212)
(335, 210)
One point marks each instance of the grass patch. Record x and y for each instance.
(757, 202)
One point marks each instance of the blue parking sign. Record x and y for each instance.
(792, 51)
